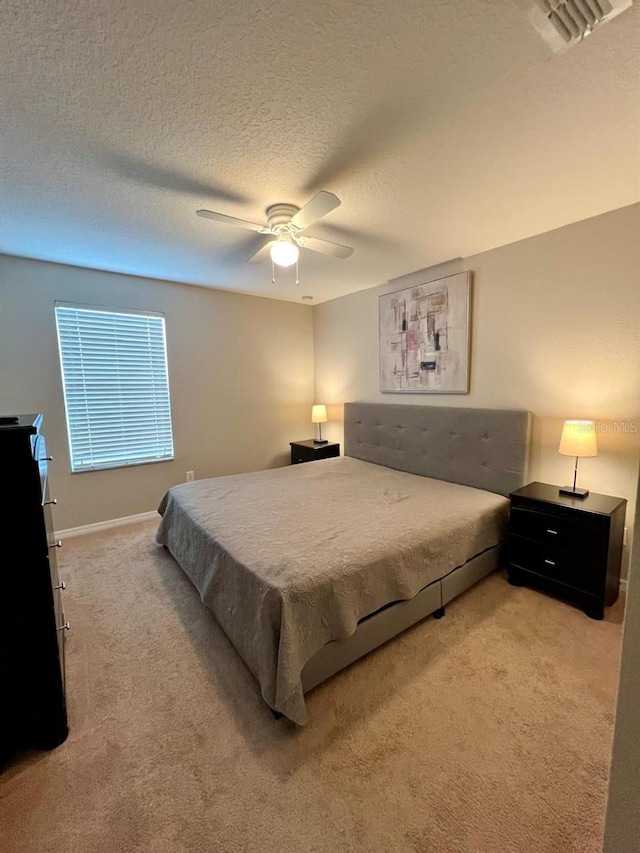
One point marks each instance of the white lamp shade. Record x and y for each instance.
(319, 415)
(578, 439)
(284, 253)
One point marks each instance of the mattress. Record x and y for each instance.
(292, 558)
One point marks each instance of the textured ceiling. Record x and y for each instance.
(446, 128)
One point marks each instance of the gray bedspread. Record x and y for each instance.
(292, 558)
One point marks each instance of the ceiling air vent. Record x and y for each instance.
(563, 23)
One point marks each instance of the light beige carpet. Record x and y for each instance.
(489, 730)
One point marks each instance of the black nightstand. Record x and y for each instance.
(308, 451)
(571, 547)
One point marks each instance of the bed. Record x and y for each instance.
(308, 568)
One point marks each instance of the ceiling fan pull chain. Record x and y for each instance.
(297, 282)
(273, 272)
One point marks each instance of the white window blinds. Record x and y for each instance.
(116, 386)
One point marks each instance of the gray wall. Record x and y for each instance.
(622, 828)
(556, 330)
(240, 372)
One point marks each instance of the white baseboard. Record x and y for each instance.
(106, 525)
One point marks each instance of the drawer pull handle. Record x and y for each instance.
(550, 562)
(57, 544)
(554, 532)
(52, 502)
(62, 585)
(64, 627)
(46, 459)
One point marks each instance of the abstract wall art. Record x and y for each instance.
(424, 337)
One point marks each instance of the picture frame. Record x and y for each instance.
(425, 337)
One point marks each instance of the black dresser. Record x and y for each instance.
(32, 625)
(571, 547)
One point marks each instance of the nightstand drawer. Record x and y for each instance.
(309, 451)
(298, 456)
(576, 570)
(556, 532)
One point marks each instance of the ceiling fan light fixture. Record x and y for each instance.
(287, 224)
(284, 252)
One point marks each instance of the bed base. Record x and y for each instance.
(375, 630)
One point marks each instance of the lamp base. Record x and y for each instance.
(321, 441)
(573, 493)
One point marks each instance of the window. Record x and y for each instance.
(116, 386)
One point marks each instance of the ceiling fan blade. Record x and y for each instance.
(262, 254)
(324, 246)
(231, 220)
(321, 204)
(165, 177)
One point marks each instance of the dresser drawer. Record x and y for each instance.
(567, 567)
(557, 532)
(61, 633)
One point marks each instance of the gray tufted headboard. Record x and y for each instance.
(484, 448)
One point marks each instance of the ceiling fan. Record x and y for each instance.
(284, 233)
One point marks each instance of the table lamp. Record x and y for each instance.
(319, 416)
(578, 439)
